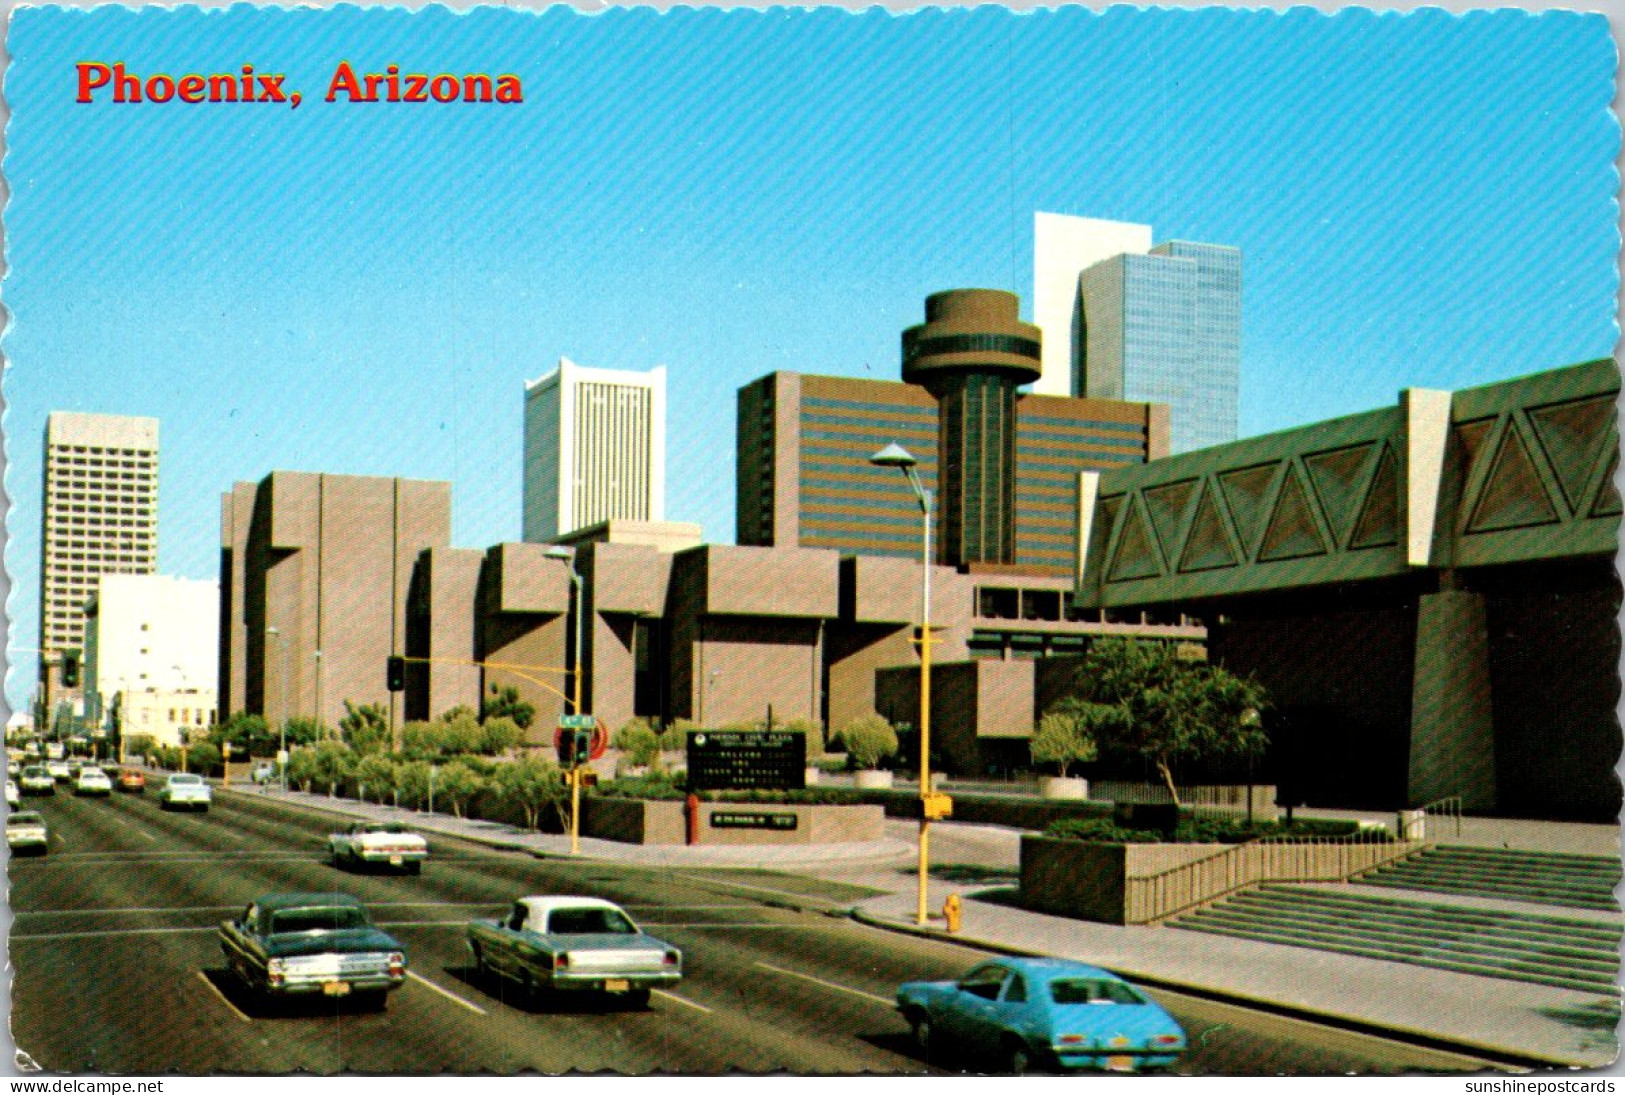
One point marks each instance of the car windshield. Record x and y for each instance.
(179, 780)
(93, 773)
(329, 918)
(384, 827)
(1089, 991)
(589, 922)
(24, 818)
(34, 770)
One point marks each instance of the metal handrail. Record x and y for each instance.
(1161, 889)
(1448, 807)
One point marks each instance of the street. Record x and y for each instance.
(117, 967)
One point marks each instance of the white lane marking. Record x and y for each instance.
(452, 996)
(123, 932)
(881, 1000)
(168, 910)
(222, 997)
(681, 1000)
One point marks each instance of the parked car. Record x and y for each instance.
(185, 791)
(60, 770)
(574, 944)
(133, 780)
(26, 832)
(13, 795)
(1015, 1014)
(263, 773)
(92, 781)
(299, 943)
(378, 843)
(37, 780)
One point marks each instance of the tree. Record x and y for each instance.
(413, 780)
(458, 783)
(303, 768)
(868, 739)
(1141, 699)
(203, 757)
(1066, 735)
(506, 704)
(639, 741)
(138, 744)
(245, 733)
(421, 740)
(334, 762)
(365, 727)
(303, 730)
(531, 784)
(461, 711)
(377, 772)
(499, 734)
(461, 735)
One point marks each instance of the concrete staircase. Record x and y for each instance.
(1544, 950)
(1545, 878)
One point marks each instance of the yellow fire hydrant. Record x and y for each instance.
(951, 911)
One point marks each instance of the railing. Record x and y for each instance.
(1445, 810)
(1150, 899)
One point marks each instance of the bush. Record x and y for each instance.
(640, 742)
(1096, 830)
(869, 739)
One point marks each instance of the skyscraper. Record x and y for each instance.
(99, 515)
(595, 449)
(1161, 324)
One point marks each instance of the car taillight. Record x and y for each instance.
(672, 958)
(397, 964)
(1167, 1040)
(1071, 1039)
(275, 969)
(561, 960)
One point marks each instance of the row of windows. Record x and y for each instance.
(915, 347)
(878, 408)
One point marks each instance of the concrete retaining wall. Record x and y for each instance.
(643, 821)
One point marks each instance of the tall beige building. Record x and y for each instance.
(595, 449)
(99, 515)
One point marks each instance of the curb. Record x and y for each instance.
(1355, 1024)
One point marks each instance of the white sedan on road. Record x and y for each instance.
(92, 781)
(185, 791)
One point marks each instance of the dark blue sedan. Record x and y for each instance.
(1018, 1014)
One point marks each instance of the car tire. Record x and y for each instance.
(415, 867)
(919, 1024)
(637, 999)
(373, 1001)
(1018, 1058)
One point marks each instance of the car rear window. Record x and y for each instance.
(289, 921)
(1082, 991)
(589, 922)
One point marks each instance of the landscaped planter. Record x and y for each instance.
(650, 821)
(1138, 883)
(1063, 788)
(871, 779)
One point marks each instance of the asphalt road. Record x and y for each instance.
(117, 968)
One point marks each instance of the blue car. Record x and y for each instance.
(1021, 1014)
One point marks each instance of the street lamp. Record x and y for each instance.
(558, 551)
(282, 731)
(895, 456)
(316, 655)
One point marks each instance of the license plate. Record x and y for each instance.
(1120, 1064)
(618, 985)
(336, 988)
(395, 861)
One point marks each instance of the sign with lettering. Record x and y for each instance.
(745, 760)
(752, 820)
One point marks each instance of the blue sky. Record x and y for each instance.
(1421, 200)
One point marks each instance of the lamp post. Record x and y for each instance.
(558, 551)
(316, 655)
(282, 731)
(895, 456)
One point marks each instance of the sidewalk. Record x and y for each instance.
(1529, 1024)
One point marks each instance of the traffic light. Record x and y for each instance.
(395, 672)
(583, 750)
(567, 748)
(70, 669)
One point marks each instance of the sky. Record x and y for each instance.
(1420, 200)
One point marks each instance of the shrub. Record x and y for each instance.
(639, 741)
(869, 739)
(1065, 737)
(1097, 830)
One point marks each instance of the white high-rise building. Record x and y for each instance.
(1064, 247)
(151, 633)
(595, 449)
(99, 515)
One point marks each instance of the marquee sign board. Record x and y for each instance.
(739, 760)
